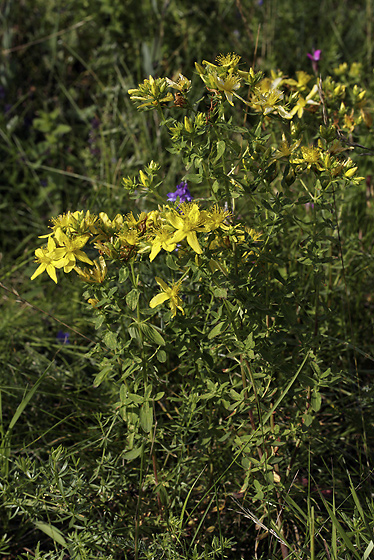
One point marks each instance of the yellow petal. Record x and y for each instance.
(168, 246)
(162, 283)
(51, 245)
(193, 242)
(52, 272)
(156, 248)
(81, 255)
(157, 300)
(39, 270)
(60, 236)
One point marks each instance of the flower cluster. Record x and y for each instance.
(126, 238)
(151, 93)
(222, 78)
(182, 193)
(269, 96)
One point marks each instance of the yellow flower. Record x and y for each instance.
(72, 249)
(131, 237)
(255, 235)
(215, 218)
(302, 79)
(150, 93)
(302, 103)
(94, 275)
(271, 84)
(187, 222)
(78, 222)
(267, 98)
(49, 259)
(230, 60)
(182, 84)
(310, 156)
(161, 241)
(228, 85)
(342, 69)
(285, 149)
(168, 293)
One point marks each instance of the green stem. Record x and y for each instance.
(212, 299)
(137, 512)
(245, 387)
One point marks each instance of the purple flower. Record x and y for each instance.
(182, 192)
(63, 337)
(314, 57)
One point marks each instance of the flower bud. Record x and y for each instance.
(188, 124)
(350, 172)
(143, 178)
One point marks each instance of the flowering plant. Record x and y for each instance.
(260, 158)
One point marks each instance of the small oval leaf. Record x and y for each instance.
(151, 334)
(132, 299)
(216, 330)
(146, 417)
(133, 454)
(110, 339)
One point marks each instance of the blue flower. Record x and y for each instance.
(182, 192)
(63, 337)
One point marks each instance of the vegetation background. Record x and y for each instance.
(68, 135)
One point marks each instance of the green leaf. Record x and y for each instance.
(102, 375)
(123, 275)
(259, 488)
(194, 178)
(215, 186)
(340, 529)
(110, 339)
(161, 356)
(220, 292)
(98, 320)
(216, 330)
(368, 550)
(133, 454)
(51, 531)
(146, 417)
(134, 330)
(132, 298)
(221, 146)
(25, 400)
(112, 291)
(123, 394)
(151, 334)
(358, 505)
(171, 262)
(249, 344)
(133, 397)
(61, 129)
(236, 396)
(308, 419)
(316, 400)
